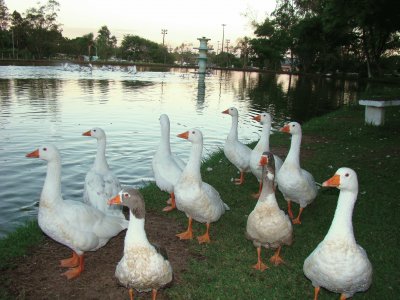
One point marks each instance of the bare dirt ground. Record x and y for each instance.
(38, 276)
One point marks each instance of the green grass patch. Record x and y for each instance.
(222, 269)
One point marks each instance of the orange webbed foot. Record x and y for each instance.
(72, 273)
(169, 208)
(205, 238)
(260, 266)
(296, 221)
(70, 262)
(276, 260)
(187, 235)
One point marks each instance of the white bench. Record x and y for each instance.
(375, 110)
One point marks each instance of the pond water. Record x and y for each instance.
(42, 105)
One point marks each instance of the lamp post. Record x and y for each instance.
(223, 33)
(163, 32)
(227, 45)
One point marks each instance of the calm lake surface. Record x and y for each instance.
(43, 105)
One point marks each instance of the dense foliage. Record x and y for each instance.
(326, 36)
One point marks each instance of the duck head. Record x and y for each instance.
(267, 162)
(231, 111)
(292, 128)
(132, 199)
(344, 179)
(47, 153)
(164, 120)
(194, 135)
(95, 132)
(263, 118)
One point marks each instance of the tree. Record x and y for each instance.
(105, 43)
(44, 34)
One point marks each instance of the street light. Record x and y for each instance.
(223, 32)
(163, 32)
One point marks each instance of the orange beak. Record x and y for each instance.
(226, 111)
(257, 118)
(263, 160)
(334, 181)
(34, 154)
(115, 200)
(87, 133)
(184, 135)
(285, 128)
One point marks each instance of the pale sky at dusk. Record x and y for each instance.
(185, 20)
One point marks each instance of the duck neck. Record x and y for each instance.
(263, 143)
(165, 145)
(136, 234)
(51, 192)
(267, 195)
(233, 133)
(100, 162)
(342, 226)
(294, 152)
(192, 168)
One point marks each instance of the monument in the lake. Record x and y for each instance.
(203, 48)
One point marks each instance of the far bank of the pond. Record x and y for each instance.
(337, 139)
(343, 76)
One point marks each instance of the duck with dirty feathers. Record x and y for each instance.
(74, 224)
(143, 267)
(267, 224)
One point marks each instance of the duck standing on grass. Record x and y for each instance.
(100, 182)
(262, 146)
(235, 151)
(166, 167)
(74, 224)
(338, 263)
(199, 200)
(143, 267)
(267, 224)
(295, 183)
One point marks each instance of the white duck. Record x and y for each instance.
(199, 200)
(262, 146)
(100, 182)
(235, 151)
(143, 266)
(295, 183)
(267, 224)
(338, 263)
(72, 223)
(166, 167)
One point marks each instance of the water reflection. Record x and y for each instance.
(41, 105)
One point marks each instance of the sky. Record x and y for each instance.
(184, 20)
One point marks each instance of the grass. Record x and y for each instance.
(222, 269)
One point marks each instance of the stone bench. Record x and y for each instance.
(375, 110)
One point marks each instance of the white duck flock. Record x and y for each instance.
(338, 263)
(143, 267)
(267, 224)
(74, 224)
(261, 147)
(167, 167)
(235, 151)
(295, 183)
(100, 182)
(199, 200)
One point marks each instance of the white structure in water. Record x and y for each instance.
(203, 55)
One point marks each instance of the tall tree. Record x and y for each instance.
(44, 32)
(105, 43)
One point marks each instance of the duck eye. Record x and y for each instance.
(347, 175)
(45, 149)
(193, 132)
(293, 125)
(126, 195)
(94, 130)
